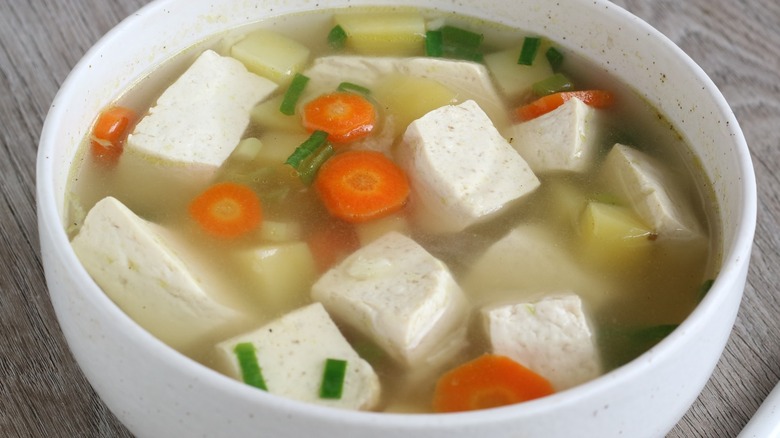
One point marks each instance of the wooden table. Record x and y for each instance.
(42, 391)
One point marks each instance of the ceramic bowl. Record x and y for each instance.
(157, 392)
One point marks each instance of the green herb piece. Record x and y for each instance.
(528, 52)
(704, 288)
(434, 45)
(620, 345)
(337, 37)
(333, 378)
(553, 84)
(311, 166)
(250, 369)
(315, 140)
(554, 57)
(353, 88)
(293, 93)
(456, 36)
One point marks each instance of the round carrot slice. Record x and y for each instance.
(227, 210)
(358, 186)
(488, 381)
(344, 116)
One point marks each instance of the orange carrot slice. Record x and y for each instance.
(545, 104)
(227, 210)
(358, 186)
(486, 382)
(344, 116)
(109, 133)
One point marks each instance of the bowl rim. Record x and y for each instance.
(733, 262)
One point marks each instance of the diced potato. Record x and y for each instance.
(246, 150)
(513, 79)
(407, 98)
(369, 231)
(567, 202)
(613, 234)
(392, 33)
(282, 274)
(276, 231)
(271, 55)
(278, 146)
(267, 116)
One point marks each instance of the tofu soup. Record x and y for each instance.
(393, 210)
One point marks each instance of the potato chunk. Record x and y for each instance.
(271, 55)
(392, 33)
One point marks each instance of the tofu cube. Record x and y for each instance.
(401, 297)
(198, 120)
(530, 260)
(651, 191)
(149, 276)
(461, 169)
(566, 139)
(291, 352)
(550, 336)
(281, 273)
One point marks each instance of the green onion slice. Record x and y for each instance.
(315, 140)
(311, 166)
(333, 378)
(250, 369)
(554, 57)
(456, 36)
(434, 44)
(353, 88)
(293, 93)
(528, 52)
(553, 84)
(337, 37)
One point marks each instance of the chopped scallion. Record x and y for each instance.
(333, 378)
(250, 369)
(353, 88)
(315, 140)
(433, 44)
(456, 36)
(553, 84)
(337, 37)
(554, 57)
(528, 52)
(311, 166)
(293, 93)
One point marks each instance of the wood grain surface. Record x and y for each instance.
(42, 391)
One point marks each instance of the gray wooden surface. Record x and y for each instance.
(43, 393)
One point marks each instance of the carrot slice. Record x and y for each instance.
(545, 104)
(358, 186)
(109, 133)
(344, 116)
(227, 210)
(486, 382)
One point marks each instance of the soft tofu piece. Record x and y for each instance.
(199, 119)
(292, 351)
(530, 261)
(460, 168)
(281, 273)
(369, 231)
(399, 296)
(145, 272)
(550, 336)
(565, 139)
(467, 80)
(650, 190)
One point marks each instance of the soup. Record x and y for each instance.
(359, 208)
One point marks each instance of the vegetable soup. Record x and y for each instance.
(393, 210)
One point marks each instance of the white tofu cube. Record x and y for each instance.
(401, 297)
(199, 119)
(529, 260)
(651, 191)
(148, 275)
(461, 169)
(291, 352)
(565, 139)
(550, 336)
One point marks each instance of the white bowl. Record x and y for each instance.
(157, 392)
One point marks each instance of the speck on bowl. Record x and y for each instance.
(157, 392)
